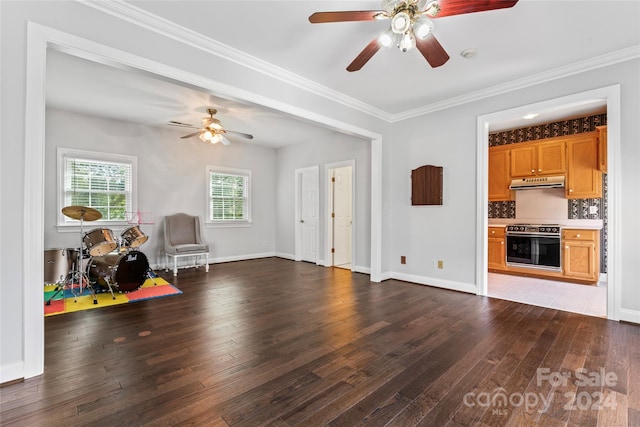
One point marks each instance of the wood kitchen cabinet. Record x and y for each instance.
(538, 159)
(584, 179)
(499, 175)
(496, 258)
(581, 254)
(602, 148)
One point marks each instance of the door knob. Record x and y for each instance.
(302, 220)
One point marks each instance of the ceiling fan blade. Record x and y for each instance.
(190, 135)
(432, 51)
(225, 141)
(186, 125)
(244, 135)
(344, 16)
(459, 7)
(364, 56)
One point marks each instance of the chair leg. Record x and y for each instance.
(175, 266)
(206, 262)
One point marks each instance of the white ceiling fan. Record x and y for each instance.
(211, 131)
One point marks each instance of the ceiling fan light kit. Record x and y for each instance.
(410, 25)
(212, 130)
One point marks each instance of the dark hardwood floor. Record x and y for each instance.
(276, 342)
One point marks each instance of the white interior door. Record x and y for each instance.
(308, 220)
(342, 216)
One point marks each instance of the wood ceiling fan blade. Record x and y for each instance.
(243, 135)
(190, 135)
(364, 56)
(345, 16)
(432, 51)
(459, 7)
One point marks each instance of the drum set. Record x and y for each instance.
(114, 264)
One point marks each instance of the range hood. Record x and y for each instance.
(537, 182)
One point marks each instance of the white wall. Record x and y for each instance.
(171, 179)
(320, 153)
(448, 138)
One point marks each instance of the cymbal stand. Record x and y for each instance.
(79, 276)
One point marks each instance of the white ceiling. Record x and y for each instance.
(535, 38)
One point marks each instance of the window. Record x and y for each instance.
(104, 182)
(228, 200)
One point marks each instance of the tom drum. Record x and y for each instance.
(100, 241)
(58, 263)
(133, 237)
(126, 272)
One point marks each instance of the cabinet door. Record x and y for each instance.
(523, 161)
(499, 177)
(551, 158)
(584, 180)
(579, 260)
(496, 257)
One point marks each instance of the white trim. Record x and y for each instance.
(361, 269)
(290, 257)
(246, 222)
(244, 257)
(11, 372)
(614, 267)
(632, 316)
(433, 281)
(40, 37)
(329, 205)
(297, 214)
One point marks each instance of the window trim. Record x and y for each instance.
(62, 221)
(211, 223)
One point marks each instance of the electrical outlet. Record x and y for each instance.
(403, 259)
(440, 264)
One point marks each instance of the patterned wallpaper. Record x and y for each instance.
(578, 208)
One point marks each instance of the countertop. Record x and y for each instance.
(592, 224)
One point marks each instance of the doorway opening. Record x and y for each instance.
(340, 217)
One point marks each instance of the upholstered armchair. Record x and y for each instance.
(182, 239)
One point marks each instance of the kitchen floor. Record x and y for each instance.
(584, 299)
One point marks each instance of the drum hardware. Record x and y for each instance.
(77, 274)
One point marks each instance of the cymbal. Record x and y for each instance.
(81, 212)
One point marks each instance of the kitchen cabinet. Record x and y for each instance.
(602, 148)
(584, 179)
(538, 159)
(581, 254)
(496, 258)
(499, 175)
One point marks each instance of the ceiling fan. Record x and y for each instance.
(211, 130)
(410, 25)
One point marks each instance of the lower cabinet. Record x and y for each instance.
(496, 249)
(580, 254)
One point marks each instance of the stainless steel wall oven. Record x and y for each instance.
(534, 246)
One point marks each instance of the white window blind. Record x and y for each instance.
(229, 195)
(100, 183)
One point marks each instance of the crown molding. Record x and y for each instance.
(142, 18)
(611, 58)
(164, 27)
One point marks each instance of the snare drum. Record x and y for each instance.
(126, 272)
(133, 237)
(100, 241)
(58, 263)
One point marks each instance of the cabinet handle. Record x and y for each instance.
(502, 243)
(493, 232)
(577, 235)
(539, 170)
(566, 247)
(571, 190)
(533, 171)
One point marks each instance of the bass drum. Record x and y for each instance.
(58, 263)
(126, 272)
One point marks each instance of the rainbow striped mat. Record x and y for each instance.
(66, 303)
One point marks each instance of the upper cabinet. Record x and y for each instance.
(499, 176)
(584, 179)
(538, 159)
(602, 148)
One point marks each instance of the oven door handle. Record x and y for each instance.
(516, 234)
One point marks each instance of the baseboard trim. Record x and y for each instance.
(432, 281)
(285, 256)
(632, 316)
(12, 372)
(361, 269)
